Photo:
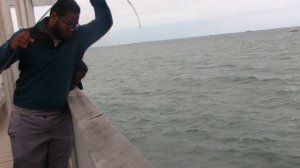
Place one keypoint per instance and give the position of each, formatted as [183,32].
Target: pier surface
[5,148]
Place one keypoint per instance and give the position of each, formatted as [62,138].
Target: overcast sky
[171,19]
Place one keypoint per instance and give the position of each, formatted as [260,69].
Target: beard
[57,31]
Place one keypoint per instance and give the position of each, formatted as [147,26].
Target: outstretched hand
[21,40]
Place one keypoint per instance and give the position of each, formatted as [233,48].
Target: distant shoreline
[288,29]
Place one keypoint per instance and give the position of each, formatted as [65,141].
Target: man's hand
[21,40]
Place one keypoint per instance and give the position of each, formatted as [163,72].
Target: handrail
[99,144]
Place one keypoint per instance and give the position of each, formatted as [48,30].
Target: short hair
[62,7]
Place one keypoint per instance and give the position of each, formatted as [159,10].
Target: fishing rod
[136,14]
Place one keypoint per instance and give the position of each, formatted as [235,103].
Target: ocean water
[224,101]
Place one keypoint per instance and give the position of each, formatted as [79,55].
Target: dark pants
[39,139]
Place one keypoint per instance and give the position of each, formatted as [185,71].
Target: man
[40,128]
[80,72]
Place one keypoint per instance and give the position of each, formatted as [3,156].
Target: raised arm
[94,30]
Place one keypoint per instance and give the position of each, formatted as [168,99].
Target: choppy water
[225,101]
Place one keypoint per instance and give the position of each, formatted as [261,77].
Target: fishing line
[136,14]
[43,15]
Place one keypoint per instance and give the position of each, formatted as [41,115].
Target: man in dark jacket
[40,128]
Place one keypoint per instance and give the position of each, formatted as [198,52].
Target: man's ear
[54,17]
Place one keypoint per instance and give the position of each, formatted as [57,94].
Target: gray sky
[171,19]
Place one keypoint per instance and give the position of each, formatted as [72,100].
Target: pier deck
[5,148]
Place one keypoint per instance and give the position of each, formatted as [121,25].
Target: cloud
[170,15]
[239,18]
[157,12]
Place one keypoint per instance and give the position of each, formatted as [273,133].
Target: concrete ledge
[104,143]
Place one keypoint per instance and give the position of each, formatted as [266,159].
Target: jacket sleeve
[93,31]
[7,55]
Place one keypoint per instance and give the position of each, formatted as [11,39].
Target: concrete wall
[98,143]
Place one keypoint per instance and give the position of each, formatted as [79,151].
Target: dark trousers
[39,139]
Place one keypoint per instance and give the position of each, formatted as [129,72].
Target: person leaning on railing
[80,72]
[40,128]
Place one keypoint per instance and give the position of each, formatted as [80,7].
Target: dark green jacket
[46,71]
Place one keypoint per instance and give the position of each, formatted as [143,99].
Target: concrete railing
[98,144]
